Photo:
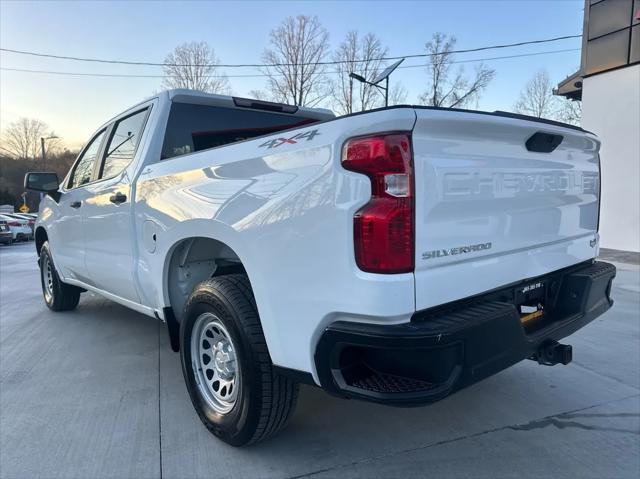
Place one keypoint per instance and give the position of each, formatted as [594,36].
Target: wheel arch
[192,260]
[188,262]
[40,237]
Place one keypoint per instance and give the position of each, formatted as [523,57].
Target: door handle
[118,198]
[75,204]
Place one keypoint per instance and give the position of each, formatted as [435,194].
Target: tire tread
[65,296]
[279,393]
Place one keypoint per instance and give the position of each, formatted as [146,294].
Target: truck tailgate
[491,210]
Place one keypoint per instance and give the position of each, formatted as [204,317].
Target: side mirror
[46,182]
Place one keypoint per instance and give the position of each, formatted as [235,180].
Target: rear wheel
[226,365]
[57,295]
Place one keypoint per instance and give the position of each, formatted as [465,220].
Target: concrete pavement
[97,392]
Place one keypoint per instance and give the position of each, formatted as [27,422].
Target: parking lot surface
[97,392]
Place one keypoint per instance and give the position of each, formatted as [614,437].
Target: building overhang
[570,87]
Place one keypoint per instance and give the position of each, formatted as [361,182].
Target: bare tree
[570,111]
[259,95]
[21,139]
[397,94]
[536,98]
[342,88]
[194,65]
[361,55]
[297,45]
[446,88]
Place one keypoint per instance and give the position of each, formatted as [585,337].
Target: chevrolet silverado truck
[396,255]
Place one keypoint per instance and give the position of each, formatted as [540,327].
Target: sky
[74,106]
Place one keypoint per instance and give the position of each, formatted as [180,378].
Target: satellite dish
[387,71]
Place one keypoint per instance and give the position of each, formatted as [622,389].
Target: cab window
[123,143]
[198,127]
[83,171]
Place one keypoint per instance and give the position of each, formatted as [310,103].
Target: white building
[608,83]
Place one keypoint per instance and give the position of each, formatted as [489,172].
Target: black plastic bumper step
[389,383]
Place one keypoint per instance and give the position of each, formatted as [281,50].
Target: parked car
[21,216]
[6,237]
[25,215]
[393,256]
[19,227]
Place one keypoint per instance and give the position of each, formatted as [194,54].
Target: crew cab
[395,256]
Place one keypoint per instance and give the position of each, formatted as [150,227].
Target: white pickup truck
[395,256]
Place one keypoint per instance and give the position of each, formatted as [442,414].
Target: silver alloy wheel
[47,278]
[214,363]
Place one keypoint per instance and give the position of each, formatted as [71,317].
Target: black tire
[265,400]
[63,297]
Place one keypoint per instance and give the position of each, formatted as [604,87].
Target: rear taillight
[13,223]
[383,229]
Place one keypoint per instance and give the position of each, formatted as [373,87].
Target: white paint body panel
[287,213]
[476,183]
[66,234]
[108,231]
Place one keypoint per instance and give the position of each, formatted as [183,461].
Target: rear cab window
[123,143]
[196,127]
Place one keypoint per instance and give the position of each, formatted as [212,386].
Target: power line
[262,65]
[262,75]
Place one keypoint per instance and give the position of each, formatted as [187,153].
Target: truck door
[108,219]
[67,238]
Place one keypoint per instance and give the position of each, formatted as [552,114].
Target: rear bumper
[447,348]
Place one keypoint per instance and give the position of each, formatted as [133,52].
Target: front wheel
[58,296]
[226,365]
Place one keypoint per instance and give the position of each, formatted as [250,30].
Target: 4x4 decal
[307,135]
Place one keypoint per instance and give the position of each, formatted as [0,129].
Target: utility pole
[386,92]
[44,157]
[44,160]
[42,145]
[350,94]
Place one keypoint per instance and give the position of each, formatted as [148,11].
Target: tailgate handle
[542,142]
